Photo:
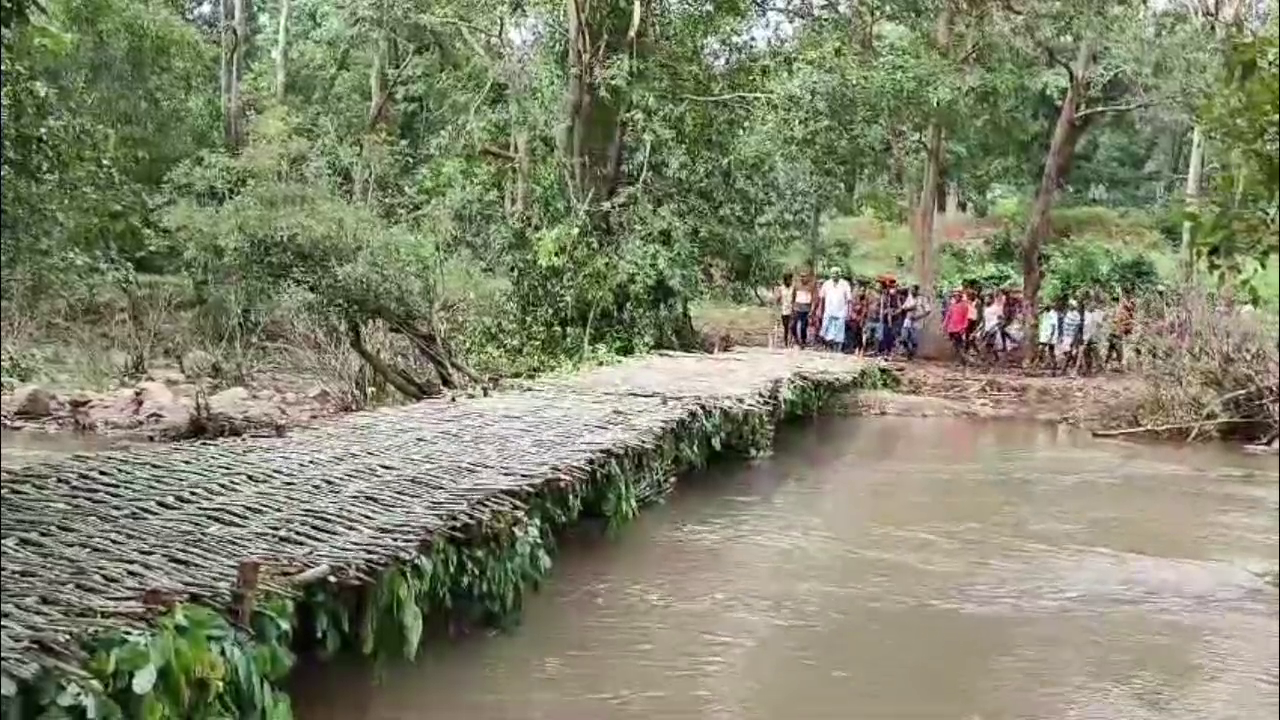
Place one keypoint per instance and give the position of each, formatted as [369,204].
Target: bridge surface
[85,539]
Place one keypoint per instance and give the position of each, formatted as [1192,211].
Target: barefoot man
[836,295]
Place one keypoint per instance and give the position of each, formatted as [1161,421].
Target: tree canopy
[510,184]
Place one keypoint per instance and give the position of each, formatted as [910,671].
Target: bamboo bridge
[102,543]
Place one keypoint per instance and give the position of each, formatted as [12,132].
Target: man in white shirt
[915,309]
[836,294]
[1094,327]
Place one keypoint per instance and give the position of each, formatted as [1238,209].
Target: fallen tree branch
[397,378]
[498,153]
[309,576]
[1164,428]
[729,96]
[1105,109]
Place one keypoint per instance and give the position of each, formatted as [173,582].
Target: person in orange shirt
[956,324]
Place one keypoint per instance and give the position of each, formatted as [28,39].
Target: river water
[890,568]
[20,447]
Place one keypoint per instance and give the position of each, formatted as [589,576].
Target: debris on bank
[168,408]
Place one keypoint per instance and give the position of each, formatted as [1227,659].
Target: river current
[889,568]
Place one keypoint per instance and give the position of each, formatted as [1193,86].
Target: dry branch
[1167,428]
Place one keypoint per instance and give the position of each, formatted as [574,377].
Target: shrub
[1208,371]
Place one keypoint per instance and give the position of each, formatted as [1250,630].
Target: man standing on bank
[836,294]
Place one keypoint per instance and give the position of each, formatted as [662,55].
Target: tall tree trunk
[227,30]
[235,99]
[1222,16]
[362,185]
[522,175]
[592,138]
[282,50]
[1066,134]
[378,82]
[1195,167]
[575,98]
[926,208]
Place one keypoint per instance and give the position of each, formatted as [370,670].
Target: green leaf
[69,697]
[8,688]
[132,656]
[152,708]
[144,679]
[89,702]
[411,623]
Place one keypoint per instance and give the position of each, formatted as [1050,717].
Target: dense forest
[458,190]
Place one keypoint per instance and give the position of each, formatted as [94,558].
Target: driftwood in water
[1166,428]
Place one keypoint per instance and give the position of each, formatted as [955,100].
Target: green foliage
[101,99]
[272,218]
[1237,228]
[712,156]
[1071,266]
[191,663]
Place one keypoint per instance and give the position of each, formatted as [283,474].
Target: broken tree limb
[498,153]
[1106,109]
[1166,428]
[729,96]
[307,577]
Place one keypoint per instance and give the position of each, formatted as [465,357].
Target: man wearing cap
[836,295]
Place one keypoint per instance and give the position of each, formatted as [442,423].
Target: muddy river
[891,568]
[18,447]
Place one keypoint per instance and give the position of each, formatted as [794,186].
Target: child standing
[800,309]
[784,298]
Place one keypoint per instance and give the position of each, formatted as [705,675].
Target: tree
[1237,223]
[1110,74]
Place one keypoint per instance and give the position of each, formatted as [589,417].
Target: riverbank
[939,389]
[449,516]
[168,405]
[1223,384]
[197,397]
[1191,374]
[169,408]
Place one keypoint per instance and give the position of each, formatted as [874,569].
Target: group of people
[876,316]
[1072,333]
[859,316]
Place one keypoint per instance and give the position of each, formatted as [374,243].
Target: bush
[1208,371]
[1071,267]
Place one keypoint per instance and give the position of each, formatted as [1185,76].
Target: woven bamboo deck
[85,539]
